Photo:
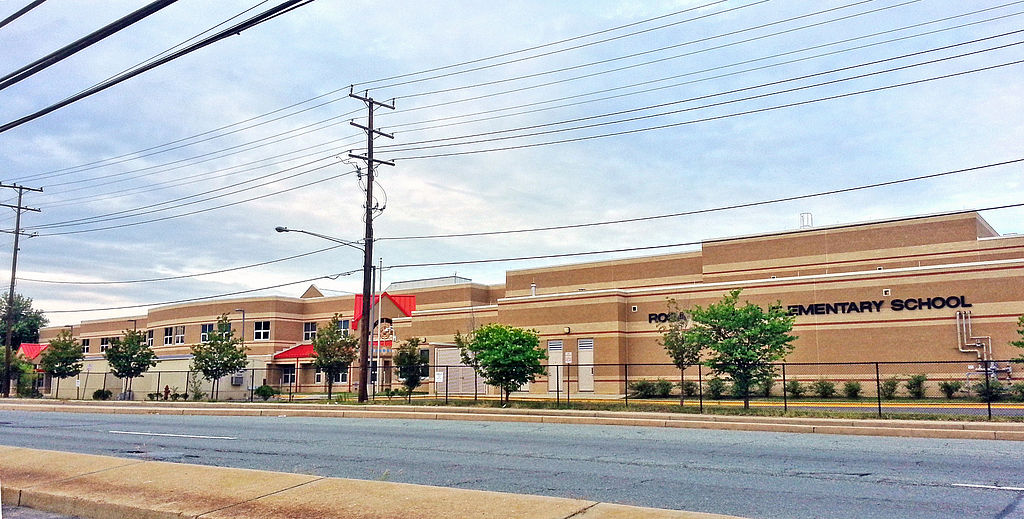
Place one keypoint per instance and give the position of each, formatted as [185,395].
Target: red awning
[405,304]
[301,351]
[31,350]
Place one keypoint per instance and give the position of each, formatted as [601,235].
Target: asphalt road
[750,474]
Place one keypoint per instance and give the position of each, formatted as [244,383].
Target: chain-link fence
[979,388]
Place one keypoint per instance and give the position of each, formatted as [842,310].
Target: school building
[943,287]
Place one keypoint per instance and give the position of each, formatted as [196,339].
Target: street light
[364,320]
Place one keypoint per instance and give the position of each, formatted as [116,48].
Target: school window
[85,345]
[425,363]
[261,332]
[343,325]
[104,342]
[287,374]
[308,331]
[168,336]
[179,335]
[149,338]
[205,331]
[339,378]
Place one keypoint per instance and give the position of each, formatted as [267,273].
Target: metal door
[585,364]
[555,373]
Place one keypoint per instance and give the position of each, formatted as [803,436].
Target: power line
[205,298]
[284,7]
[713,209]
[82,43]
[347,87]
[705,119]
[20,12]
[184,276]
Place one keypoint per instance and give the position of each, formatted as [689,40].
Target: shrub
[915,385]
[689,388]
[852,389]
[889,388]
[1018,391]
[795,389]
[950,387]
[823,388]
[265,392]
[102,394]
[716,388]
[994,391]
[651,388]
[764,386]
[153,396]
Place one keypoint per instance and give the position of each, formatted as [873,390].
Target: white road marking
[990,487]
[175,435]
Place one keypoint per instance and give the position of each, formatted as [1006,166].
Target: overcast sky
[701,87]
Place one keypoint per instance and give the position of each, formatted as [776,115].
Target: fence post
[988,388]
[568,383]
[558,384]
[446,385]
[158,390]
[878,389]
[785,397]
[291,384]
[700,386]
[252,384]
[475,391]
[626,374]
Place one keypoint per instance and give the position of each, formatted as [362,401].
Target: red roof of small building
[32,350]
[296,352]
[405,304]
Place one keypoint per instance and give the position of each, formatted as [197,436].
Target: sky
[507,116]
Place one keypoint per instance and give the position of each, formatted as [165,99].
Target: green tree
[62,358]
[1019,342]
[333,351]
[221,354]
[682,347]
[27,322]
[505,356]
[409,366]
[129,356]
[743,341]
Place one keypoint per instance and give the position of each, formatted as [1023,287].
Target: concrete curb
[103,487]
[869,427]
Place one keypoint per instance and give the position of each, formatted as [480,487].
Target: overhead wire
[20,12]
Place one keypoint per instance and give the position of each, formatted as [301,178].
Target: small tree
[409,366]
[505,356]
[62,358]
[130,356]
[743,341]
[1019,342]
[26,323]
[681,346]
[333,351]
[220,355]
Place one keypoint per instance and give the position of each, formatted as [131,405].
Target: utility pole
[371,163]
[14,270]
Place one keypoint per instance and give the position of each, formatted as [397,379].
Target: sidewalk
[103,487]
[907,428]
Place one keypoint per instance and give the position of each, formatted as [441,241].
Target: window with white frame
[104,342]
[343,327]
[339,378]
[205,331]
[261,331]
[287,374]
[168,336]
[149,338]
[179,335]
[85,345]
[308,331]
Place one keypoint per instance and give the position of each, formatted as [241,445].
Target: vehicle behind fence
[979,388]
